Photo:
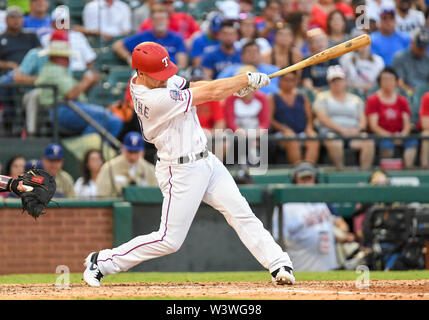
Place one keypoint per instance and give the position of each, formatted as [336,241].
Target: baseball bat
[328,54]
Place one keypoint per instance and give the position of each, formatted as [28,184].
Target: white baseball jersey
[168,119]
[308,232]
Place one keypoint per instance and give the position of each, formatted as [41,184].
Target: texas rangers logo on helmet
[165,60]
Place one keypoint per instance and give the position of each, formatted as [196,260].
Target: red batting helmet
[154,60]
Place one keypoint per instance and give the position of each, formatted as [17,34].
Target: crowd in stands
[381,89]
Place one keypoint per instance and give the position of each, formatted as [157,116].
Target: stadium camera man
[187,172]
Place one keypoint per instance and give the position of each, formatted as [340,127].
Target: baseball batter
[186,171]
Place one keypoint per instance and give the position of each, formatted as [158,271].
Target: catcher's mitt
[40,187]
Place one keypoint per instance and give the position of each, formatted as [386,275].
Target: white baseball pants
[183,187]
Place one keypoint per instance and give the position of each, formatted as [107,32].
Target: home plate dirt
[304,290]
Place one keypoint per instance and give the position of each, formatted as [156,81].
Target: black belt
[195,157]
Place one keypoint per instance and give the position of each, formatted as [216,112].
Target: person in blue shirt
[206,41]
[38,19]
[387,41]
[160,34]
[224,54]
[250,55]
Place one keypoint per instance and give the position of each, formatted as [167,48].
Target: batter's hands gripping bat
[328,54]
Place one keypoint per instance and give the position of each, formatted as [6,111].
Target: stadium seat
[416,101]
[119,74]
[106,59]
[76,9]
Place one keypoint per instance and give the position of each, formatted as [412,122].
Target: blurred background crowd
[364,109]
[64,73]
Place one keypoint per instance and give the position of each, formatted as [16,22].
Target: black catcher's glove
[40,187]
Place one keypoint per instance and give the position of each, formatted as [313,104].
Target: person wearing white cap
[84,54]
[342,114]
[362,67]
[55,72]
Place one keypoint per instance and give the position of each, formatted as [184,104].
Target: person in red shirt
[179,22]
[321,10]
[423,125]
[389,115]
[246,114]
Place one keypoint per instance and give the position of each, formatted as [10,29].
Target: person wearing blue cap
[129,168]
[52,162]
[387,41]
[208,40]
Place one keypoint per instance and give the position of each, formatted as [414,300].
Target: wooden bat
[328,54]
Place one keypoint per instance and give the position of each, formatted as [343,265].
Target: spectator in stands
[423,125]
[389,115]
[85,186]
[412,64]
[362,67]
[246,6]
[309,230]
[224,54]
[53,161]
[298,21]
[15,42]
[248,32]
[291,116]
[27,73]
[141,14]
[15,166]
[250,55]
[270,21]
[14,45]
[387,41]
[246,114]
[336,28]
[342,113]
[172,41]
[55,72]
[38,20]
[129,168]
[84,54]
[375,7]
[314,77]
[377,178]
[321,10]
[106,18]
[206,41]
[284,52]
[408,20]
[180,22]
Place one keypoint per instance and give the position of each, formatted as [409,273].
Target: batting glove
[244,92]
[258,80]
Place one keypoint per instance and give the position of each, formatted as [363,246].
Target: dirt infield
[302,290]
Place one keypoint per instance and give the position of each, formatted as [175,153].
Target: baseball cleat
[283,275]
[92,275]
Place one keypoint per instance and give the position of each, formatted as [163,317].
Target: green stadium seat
[416,101]
[106,59]
[76,10]
[101,95]
[119,74]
